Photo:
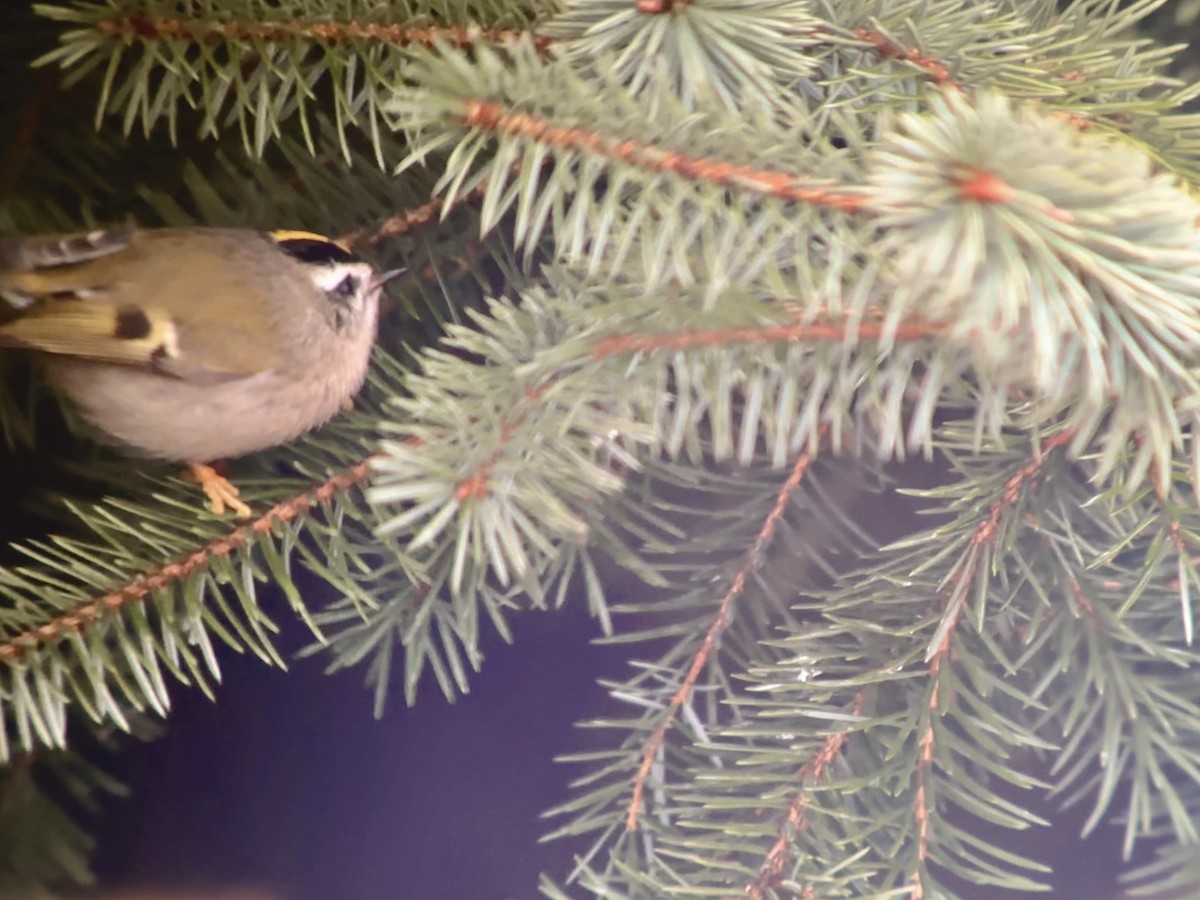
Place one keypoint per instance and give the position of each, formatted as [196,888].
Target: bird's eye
[343,285]
[346,288]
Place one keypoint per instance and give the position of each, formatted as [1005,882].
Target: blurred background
[287,787]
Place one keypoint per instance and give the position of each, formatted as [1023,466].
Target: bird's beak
[384,277]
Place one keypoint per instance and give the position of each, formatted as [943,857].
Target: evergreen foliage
[685,277]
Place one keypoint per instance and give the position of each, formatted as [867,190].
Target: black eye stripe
[308,250]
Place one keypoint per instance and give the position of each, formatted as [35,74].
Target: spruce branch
[423,216]
[887,48]
[1111,276]
[720,621]
[756,250]
[490,117]
[472,476]
[745,51]
[14,647]
[256,67]
[833,332]
[961,579]
[723,541]
[961,221]
[165,598]
[531,108]
[257,98]
[147,28]
[963,726]
[793,822]
[1136,705]
[1174,871]
[1179,539]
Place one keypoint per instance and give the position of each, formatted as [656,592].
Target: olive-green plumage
[193,343]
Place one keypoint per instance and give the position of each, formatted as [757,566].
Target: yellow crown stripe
[285,235]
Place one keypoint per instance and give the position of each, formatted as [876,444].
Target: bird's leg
[221,493]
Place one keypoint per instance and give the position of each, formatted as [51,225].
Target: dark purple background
[287,783]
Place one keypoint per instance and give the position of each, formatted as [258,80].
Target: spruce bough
[683,266]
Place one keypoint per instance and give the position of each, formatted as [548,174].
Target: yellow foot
[221,493]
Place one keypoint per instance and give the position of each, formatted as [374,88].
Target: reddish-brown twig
[720,621]
[141,587]
[968,566]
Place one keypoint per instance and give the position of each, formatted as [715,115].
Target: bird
[194,344]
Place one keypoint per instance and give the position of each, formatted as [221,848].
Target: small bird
[194,344]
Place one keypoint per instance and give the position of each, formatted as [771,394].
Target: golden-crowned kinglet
[194,344]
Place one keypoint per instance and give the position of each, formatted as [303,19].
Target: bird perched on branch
[194,344]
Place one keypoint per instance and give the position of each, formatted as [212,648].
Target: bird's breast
[172,418]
